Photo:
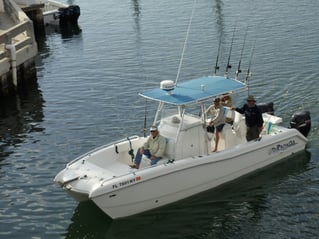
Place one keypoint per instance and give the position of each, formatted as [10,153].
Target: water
[88,80]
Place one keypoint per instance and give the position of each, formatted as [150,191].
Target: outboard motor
[69,14]
[301,121]
[267,108]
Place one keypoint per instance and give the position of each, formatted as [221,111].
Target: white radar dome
[167,85]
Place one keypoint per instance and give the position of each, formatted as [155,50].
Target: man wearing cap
[253,118]
[153,148]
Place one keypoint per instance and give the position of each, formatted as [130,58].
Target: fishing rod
[231,46]
[131,151]
[248,76]
[241,56]
[217,58]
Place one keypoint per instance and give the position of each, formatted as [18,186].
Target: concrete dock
[18,49]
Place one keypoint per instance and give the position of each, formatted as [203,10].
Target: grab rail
[101,147]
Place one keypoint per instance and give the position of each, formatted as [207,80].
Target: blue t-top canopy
[192,91]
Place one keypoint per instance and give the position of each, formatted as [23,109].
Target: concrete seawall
[18,49]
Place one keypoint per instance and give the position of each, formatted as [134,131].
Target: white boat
[54,12]
[57,13]
[189,166]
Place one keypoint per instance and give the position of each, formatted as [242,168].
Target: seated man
[153,148]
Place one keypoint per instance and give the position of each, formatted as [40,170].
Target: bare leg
[216,141]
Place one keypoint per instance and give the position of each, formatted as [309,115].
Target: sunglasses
[251,101]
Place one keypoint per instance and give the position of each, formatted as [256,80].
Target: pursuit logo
[281,147]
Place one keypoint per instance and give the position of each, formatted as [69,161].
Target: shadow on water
[206,215]
[88,221]
[219,17]
[67,31]
[136,14]
[19,116]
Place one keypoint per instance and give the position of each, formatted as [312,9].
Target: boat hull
[56,13]
[158,186]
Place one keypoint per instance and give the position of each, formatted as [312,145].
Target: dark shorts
[210,128]
[219,128]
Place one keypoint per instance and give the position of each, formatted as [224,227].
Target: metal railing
[20,34]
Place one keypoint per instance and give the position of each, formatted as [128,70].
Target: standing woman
[216,110]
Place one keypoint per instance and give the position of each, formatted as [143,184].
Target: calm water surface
[88,80]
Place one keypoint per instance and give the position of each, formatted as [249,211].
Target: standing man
[253,118]
[153,148]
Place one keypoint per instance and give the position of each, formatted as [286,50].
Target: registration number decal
[126,182]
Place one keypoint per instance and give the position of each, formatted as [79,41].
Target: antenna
[231,46]
[145,118]
[185,42]
[217,58]
[241,56]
